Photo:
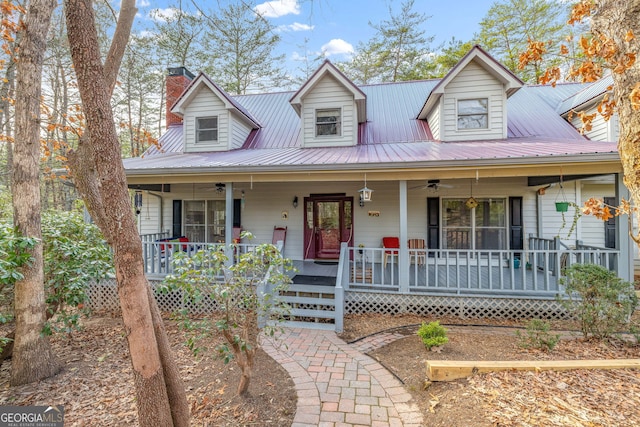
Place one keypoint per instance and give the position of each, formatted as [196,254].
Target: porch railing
[531,272]
[152,237]
[158,256]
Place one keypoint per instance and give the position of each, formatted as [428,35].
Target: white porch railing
[531,272]
[158,256]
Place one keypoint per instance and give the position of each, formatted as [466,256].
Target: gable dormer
[470,102]
[330,107]
[213,120]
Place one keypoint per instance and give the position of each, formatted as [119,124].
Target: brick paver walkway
[338,385]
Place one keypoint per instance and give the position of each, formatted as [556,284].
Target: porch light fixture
[295,202]
[137,202]
[365,193]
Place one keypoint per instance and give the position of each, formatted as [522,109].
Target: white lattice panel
[465,307]
[103,296]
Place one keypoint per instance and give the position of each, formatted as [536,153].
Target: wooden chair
[418,255]
[279,237]
[390,243]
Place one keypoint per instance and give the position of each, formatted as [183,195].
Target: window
[473,113]
[484,227]
[206,129]
[204,220]
[328,122]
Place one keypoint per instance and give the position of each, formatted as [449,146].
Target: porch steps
[312,306]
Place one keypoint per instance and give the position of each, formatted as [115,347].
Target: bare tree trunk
[99,175]
[33,359]
[613,19]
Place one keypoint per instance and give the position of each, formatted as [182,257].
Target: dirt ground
[96,386]
[570,398]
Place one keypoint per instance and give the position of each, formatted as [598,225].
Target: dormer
[587,101]
[330,107]
[213,120]
[470,102]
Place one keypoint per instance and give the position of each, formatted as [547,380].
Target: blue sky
[336,26]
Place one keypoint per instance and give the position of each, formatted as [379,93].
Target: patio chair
[279,237]
[418,255]
[390,243]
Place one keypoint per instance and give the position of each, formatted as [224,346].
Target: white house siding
[239,132]
[551,223]
[599,127]
[148,220]
[474,82]
[329,93]
[591,227]
[206,104]
[434,121]
[614,128]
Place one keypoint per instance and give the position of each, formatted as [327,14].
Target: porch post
[623,242]
[228,222]
[403,253]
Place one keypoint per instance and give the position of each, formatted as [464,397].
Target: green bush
[600,301]
[433,335]
[537,335]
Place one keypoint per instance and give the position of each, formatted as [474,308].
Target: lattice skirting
[103,296]
[460,306]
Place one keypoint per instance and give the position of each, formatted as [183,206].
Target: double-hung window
[473,113]
[328,122]
[481,228]
[204,220]
[207,129]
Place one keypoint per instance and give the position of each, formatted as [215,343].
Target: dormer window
[207,129]
[473,113]
[328,122]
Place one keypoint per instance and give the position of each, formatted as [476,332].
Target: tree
[510,24]
[449,56]
[99,175]
[33,359]
[402,43]
[612,44]
[241,44]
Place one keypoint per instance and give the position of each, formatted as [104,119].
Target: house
[471,165]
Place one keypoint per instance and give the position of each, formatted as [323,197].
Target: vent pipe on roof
[178,78]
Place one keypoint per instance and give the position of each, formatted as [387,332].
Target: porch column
[403,253]
[624,243]
[228,222]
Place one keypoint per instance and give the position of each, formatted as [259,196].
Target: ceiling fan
[431,184]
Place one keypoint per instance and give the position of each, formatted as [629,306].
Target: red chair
[390,243]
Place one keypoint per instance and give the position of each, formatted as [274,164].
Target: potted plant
[562,206]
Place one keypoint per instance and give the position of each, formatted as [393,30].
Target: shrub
[537,335]
[600,301]
[242,295]
[433,335]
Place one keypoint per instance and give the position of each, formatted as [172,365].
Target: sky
[336,26]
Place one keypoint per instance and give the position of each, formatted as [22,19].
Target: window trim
[473,227]
[208,221]
[199,129]
[338,122]
[458,114]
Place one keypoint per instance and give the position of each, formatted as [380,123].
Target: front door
[328,223]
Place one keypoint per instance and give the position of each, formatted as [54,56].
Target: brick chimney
[178,78]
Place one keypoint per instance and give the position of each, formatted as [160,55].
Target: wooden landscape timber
[449,370]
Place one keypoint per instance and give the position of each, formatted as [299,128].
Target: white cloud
[296,26]
[164,15]
[278,8]
[143,3]
[337,47]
